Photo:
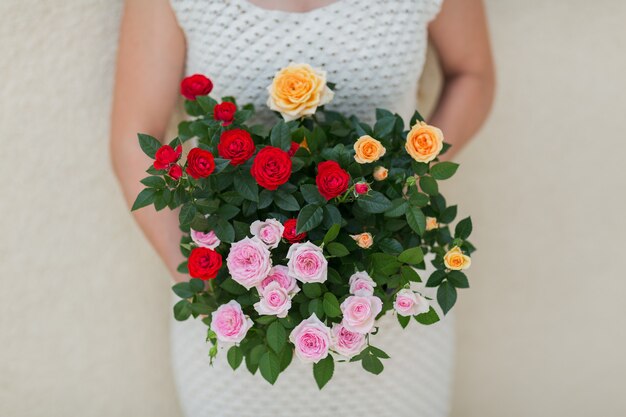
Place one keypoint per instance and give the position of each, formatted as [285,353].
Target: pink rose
[275,301]
[205,240]
[249,262]
[361,284]
[229,323]
[307,262]
[361,188]
[312,339]
[280,274]
[360,311]
[409,303]
[270,232]
[347,343]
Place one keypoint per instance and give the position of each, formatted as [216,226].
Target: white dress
[373,50]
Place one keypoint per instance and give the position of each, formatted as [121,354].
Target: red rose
[204,263]
[271,167]
[331,179]
[293,148]
[236,145]
[290,232]
[200,163]
[361,188]
[195,85]
[166,156]
[225,112]
[175,171]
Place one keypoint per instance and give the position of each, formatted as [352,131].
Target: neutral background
[84,304]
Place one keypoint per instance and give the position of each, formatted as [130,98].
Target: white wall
[85,304]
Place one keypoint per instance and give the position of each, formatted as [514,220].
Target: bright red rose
[361,188]
[236,145]
[166,156]
[200,163]
[225,112]
[271,167]
[293,149]
[290,232]
[195,85]
[175,171]
[204,263]
[331,179]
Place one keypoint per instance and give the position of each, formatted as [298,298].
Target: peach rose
[424,142]
[431,223]
[364,240]
[298,90]
[367,150]
[380,173]
[456,260]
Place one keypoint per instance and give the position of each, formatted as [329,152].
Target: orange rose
[367,150]
[455,259]
[298,90]
[431,223]
[424,142]
[380,173]
[363,240]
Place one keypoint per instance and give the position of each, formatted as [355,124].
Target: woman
[374,52]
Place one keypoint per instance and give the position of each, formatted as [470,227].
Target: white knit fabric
[374,51]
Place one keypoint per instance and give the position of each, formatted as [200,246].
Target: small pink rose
[205,240]
[275,301]
[249,262]
[361,284]
[361,188]
[270,231]
[229,323]
[307,262]
[409,303]
[345,342]
[312,340]
[280,274]
[360,311]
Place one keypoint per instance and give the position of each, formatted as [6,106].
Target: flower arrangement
[300,236]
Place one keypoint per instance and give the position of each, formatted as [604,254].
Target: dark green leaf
[269,365]
[182,310]
[331,305]
[463,228]
[225,231]
[247,187]
[286,201]
[410,274]
[391,246]
[312,289]
[233,287]
[310,217]
[149,145]
[196,285]
[183,290]
[446,296]
[187,213]
[311,194]
[430,317]
[235,357]
[416,220]
[153,181]
[384,126]
[337,249]
[443,170]
[280,136]
[448,215]
[429,185]
[436,278]
[323,371]
[412,256]
[374,202]
[372,364]
[403,320]
[332,233]
[145,198]
[458,279]
[398,208]
[378,352]
[276,336]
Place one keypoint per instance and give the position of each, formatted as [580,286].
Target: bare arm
[460,35]
[149,67]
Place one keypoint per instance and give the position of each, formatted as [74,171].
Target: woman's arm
[150,64]
[461,38]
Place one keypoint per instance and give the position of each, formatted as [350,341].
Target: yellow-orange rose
[431,223]
[363,240]
[380,173]
[456,260]
[424,142]
[368,150]
[298,90]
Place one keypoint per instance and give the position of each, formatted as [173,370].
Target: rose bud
[361,188]
[225,112]
[195,85]
[380,173]
[175,171]
[166,156]
[363,240]
[293,148]
[431,223]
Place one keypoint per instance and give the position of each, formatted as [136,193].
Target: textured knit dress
[373,50]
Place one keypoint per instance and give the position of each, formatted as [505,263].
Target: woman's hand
[150,65]
[460,36]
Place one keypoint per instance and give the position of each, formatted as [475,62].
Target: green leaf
[384,126]
[149,145]
[225,231]
[443,170]
[403,320]
[412,256]
[331,305]
[390,246]
[265,198]
[463,228]
[247,187]
[312,289]
[182,310]
[280,136]
[448,215]
[372,364]
[337,249]
[429,185]
[221,164]
[286,201]
[276,336]
[398,208]
[430,317]
[332,216]
[145,198]
[154,182]
[227,211]
[417,117]
[206,103]
[458,279]
[323,371]
[183,290]
[436,278]
[332,233]
[285,357]
[410,274]
[446,296]
[374,202]
[384,263]
[416,220]
[233,287]
[196,285]
[187,213]
[269,365]
[378,352]
[310,217]
[235,357]
[311,194]
[316,306]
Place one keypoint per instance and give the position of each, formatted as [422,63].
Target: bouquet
[299,236]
